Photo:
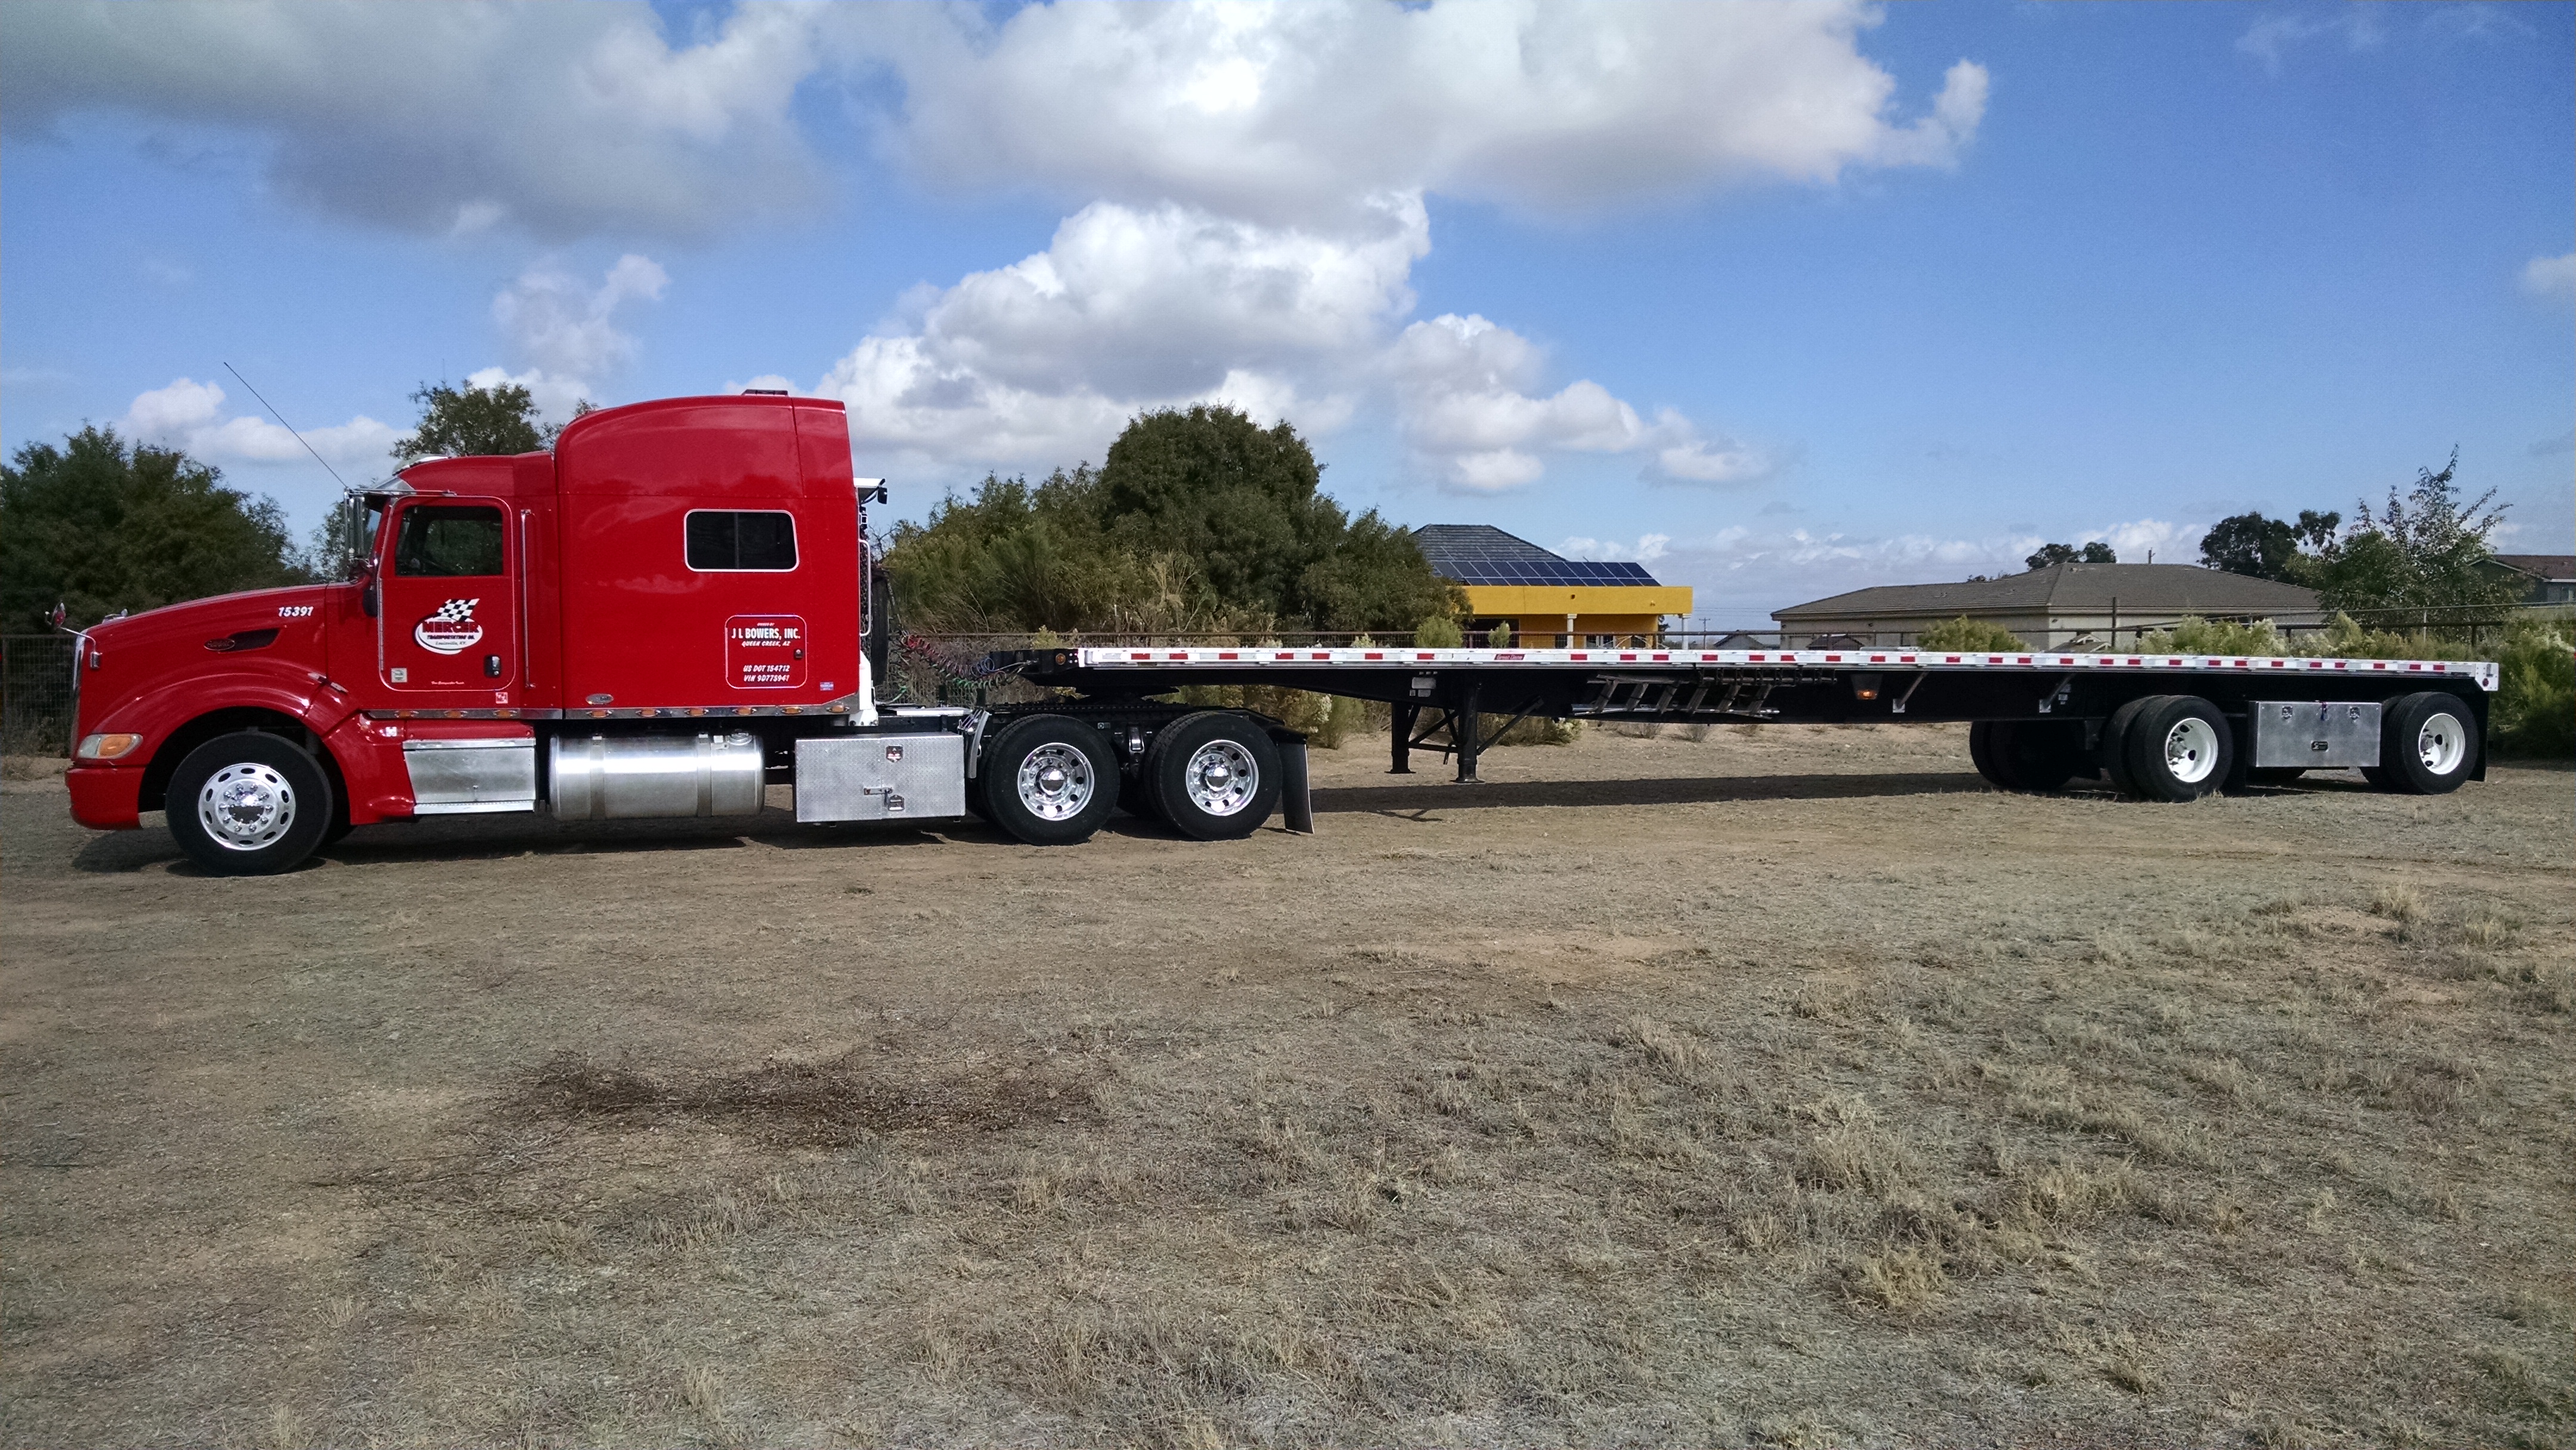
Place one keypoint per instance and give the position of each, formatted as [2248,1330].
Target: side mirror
[367,597]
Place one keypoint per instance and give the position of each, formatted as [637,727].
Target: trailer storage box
[2314,734]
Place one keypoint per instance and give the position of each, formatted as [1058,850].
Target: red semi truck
[675,608]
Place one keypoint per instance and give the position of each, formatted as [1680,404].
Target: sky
[1781,300]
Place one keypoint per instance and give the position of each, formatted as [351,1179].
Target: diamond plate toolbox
[881,777]
[2314,734]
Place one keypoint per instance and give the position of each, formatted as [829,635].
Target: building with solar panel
[1550,602]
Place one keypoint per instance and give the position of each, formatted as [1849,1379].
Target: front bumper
[104,796]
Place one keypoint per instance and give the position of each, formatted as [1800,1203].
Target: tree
[97,526]
[2415,560]
[461,422]
[2269,548]
[2051,555]
[1198,520]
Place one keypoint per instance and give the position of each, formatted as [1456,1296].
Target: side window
[441,541]
[741,539]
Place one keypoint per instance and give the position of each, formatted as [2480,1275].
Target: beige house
[2066,606]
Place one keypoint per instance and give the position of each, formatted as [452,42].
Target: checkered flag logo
[449,629]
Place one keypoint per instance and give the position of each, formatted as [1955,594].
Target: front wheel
[1213,775]
[1049,781]
[249,805]
[2428,744]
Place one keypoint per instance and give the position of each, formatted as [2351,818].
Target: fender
[163,713]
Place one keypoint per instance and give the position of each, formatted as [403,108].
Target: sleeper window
[741,539]
[441,541]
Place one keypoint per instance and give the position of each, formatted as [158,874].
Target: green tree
[98,526]
[463,422]
[2269,548]
[2415,560]
[2051,555]
[1198,520]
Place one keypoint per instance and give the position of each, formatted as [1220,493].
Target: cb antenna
[289,427]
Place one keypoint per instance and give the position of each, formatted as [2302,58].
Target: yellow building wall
[1538,612]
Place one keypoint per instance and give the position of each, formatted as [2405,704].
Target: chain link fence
[36,694]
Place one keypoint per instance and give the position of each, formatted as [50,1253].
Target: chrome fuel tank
[630,777]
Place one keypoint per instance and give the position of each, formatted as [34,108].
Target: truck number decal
[295,611]
[765,651]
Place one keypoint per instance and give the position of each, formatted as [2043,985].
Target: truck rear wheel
[2179,748]
[249,805]
[2428,744]
[1048,780]
[1214,775]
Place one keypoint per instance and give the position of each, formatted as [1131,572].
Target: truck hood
[199,620]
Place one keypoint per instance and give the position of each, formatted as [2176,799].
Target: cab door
[447,630]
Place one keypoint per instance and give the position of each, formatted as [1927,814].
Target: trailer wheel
[1049,781]
[2180,748]
[2428,744]
[2113,749]
[1213,775]
[249,805]
[2042,755]
[1989,762]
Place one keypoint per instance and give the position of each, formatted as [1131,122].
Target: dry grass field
[1781,1087]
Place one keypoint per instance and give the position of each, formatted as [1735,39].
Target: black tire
[2040,755]
[249,805]
[2179,748]
[2112,751]
[2428,744]
[1981,749]
[1214,775]
[1071,782]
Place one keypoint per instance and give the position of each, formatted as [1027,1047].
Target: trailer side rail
[2482,673]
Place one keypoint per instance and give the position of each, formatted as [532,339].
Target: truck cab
[683,560]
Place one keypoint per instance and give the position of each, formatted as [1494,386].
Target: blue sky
[1785,300]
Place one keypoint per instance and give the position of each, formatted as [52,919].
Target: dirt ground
[1777,1087]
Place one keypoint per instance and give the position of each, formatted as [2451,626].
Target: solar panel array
[1482,554]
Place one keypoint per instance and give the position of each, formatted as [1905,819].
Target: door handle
[492,667]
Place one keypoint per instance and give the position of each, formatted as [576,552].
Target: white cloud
[2142,541]
[570,330]
[1647,549]
[1277,111]
[564,119]
[2270,39]
[189,416]
[2552,277]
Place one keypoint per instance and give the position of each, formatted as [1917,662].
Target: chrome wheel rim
[2442,743]
[246,807]
[1055,782]
[2191,751]
[1221,777]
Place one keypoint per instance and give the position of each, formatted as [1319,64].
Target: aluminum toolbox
[2314,734]
[881,777]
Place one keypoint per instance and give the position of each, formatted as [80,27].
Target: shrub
[2534,711]
[1438,631]
[2197,636]
[1967,634]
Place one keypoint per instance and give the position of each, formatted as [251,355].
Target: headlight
[107,747]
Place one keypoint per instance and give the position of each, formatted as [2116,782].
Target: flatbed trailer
[2055,697]
[675,608]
